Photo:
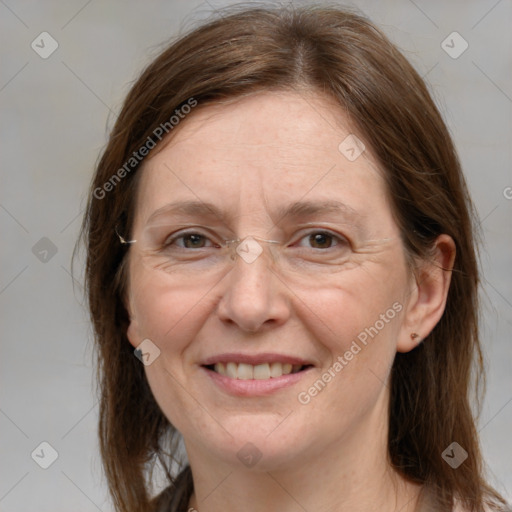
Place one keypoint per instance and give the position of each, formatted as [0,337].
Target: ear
[427,298]
[132,333]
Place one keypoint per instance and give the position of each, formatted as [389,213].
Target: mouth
[262,371]
[246,375]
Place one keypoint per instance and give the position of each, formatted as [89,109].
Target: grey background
[54,115]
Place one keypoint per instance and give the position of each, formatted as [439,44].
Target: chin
[261,443]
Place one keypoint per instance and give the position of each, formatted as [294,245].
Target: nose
[253,295]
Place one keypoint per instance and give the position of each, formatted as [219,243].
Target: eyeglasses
[199,251]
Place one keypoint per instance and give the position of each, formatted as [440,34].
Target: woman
[280,231]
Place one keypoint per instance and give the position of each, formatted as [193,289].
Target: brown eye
[188,241]
[193,241]
[320,240]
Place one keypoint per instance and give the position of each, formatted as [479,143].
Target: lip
[254,387]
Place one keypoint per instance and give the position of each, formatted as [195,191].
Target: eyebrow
[310,208]
[295,210]
[189,208]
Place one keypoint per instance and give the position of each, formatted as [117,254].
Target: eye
[323,240]
[190,240]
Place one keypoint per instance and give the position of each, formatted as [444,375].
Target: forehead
[269,147]
[282,122]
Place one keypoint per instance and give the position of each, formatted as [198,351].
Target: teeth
[230,370]
[220,368]
[262,371]
[245,371]
[276,370]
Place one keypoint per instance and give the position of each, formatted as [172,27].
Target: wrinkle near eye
[375,246]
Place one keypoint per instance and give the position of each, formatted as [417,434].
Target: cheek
[169,317]
[356,327]
[161,312]
[356,324]
[355,304]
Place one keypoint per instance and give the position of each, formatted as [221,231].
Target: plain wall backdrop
[54,113]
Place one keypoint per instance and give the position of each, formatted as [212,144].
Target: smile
[255,375]
[244,371]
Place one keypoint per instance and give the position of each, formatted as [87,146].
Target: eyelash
[340,240]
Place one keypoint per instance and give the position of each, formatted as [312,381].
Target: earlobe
[427,299]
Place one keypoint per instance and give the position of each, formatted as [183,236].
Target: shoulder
[459,507]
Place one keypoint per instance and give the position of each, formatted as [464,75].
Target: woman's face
[328,303]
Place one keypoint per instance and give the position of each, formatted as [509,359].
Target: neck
[351,475]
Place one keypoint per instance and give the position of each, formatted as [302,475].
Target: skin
[249,157]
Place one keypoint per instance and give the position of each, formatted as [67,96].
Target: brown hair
[337,53]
